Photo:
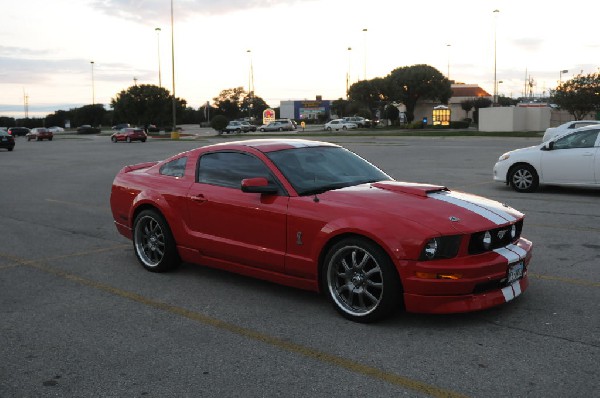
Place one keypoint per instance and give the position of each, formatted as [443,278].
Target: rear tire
[114,139]
[128,140]
[153,242]
[360,280]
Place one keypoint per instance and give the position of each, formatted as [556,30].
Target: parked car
[316,216]
[339,124]
[569,160]
[16,131]
[40,134]
[247,126]
[234,126]
[359,121]
[56,129]
[129,134]
[87,129]
[290,121]
[277,125]
[151,128]
[7,140]
[553,132]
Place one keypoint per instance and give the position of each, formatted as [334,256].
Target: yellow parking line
[358,368]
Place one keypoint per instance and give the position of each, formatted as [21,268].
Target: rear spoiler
[138,166]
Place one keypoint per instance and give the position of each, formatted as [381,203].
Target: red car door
[231,225]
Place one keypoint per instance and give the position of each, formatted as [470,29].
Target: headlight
[487,240]
[431,249]
[513,231]
[504,157]
[441,247]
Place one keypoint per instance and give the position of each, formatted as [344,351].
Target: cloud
[159,10]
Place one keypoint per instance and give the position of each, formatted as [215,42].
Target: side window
[174,168]
[228,169]
[583,139]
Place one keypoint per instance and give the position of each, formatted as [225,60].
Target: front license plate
[515,272]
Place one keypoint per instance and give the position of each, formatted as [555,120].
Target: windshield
[315,170]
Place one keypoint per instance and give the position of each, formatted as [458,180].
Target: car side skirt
[193,256]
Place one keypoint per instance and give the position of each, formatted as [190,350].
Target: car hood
[433,206]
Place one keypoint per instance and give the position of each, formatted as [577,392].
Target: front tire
[523,178]
[114,139]
[153,242]
[361,281]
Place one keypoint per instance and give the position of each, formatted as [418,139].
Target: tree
[145,104]
[467,105]
[370,93]
[478,103]
[409,84]
[392,113]
[253,105]
[579,95]
[219,123]
[229,102]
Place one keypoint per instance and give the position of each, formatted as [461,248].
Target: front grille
[500,237]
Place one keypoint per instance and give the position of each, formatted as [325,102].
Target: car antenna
[315,198]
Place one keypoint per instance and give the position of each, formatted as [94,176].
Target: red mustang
[316,216]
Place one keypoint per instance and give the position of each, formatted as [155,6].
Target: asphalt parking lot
[79,317]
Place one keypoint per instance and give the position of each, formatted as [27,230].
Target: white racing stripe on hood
[495,215]
[520,252]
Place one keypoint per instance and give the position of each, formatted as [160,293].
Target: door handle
[198,198]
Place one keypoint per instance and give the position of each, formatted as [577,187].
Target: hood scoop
[409,188]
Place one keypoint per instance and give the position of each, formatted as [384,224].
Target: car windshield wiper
[325,188]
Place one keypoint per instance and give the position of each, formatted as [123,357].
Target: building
[305,109]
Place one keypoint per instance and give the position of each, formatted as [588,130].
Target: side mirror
[548,146]
[258,185]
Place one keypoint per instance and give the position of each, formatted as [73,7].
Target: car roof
[271,144]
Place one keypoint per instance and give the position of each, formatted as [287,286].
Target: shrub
[459,124]
[219,123]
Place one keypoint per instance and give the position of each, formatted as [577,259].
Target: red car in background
[39,134]
[316,216]
[129,134]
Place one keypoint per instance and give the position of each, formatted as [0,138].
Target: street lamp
[495,80]
[93,85]
[250,84]
[173,71]
[560,76]
[158,43]
[448,46]
[365,67]
[348,74]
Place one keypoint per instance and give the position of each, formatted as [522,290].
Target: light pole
[250,84]
[93,85]
[448,47]
[495,79]
[560,76]
[158,43]
[174,130]
[365,66]
[349,71]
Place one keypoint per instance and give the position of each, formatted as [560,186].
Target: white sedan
[572,159]
[339,124]
[553,132]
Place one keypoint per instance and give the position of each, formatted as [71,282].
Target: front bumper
[482,283]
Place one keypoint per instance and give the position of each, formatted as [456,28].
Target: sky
[290,49]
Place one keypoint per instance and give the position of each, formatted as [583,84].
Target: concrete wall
[514,119]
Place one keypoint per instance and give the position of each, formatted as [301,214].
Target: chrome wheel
[361,280]
[149,241]
[153,242]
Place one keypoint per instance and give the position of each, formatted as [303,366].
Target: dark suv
[15,131]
